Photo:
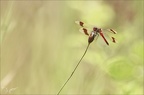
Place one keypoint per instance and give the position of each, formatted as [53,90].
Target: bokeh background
[41,45]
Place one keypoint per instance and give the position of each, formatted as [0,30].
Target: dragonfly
[94,33]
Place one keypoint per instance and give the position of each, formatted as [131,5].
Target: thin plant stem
[73,70]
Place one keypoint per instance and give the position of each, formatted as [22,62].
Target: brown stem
[73,70]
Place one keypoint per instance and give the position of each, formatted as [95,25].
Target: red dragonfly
[95,32]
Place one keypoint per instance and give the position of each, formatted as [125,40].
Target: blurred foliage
[41,45]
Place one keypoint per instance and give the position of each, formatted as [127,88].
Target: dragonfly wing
[112,31]
[113,40]
[109,35]
[84,30]
[80,23]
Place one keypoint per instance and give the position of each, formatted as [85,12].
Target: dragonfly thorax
[92,36]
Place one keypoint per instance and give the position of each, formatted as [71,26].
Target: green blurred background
[41,45]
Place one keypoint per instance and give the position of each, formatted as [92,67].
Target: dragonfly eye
[95,29]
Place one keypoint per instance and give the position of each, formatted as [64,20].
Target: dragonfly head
[95,28]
